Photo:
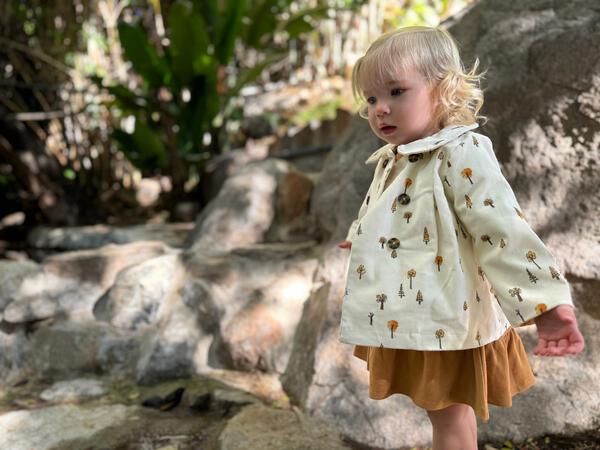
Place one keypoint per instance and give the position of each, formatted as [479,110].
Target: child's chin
[393,140]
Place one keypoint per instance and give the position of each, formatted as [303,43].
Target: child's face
[405,107]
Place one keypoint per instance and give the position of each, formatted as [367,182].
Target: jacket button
[393,243]
[414,157]
[404,199]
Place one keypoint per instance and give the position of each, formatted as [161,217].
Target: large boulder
[44,238]
[67,285]
[264,201]
[67,348]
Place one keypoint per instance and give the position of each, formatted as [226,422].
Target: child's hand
[558,333]
[345,244]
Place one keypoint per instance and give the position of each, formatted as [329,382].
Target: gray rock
[94,236]
[166,356]
[344,181]
[256,127]
[567,387]
[135,299]
[47,295]
[47,428]
[234,311]
[118,354]
[264,200]
[105,427]
[73,390]
[224,398]
[69,284]
[542,99]
[12,274]
[13,344]
[220,167]
[252,300]
[101,266]
[67,348]
[244,202]
[261,427]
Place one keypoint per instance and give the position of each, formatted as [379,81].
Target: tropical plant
[189,78]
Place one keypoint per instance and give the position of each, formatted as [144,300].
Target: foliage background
[98,96]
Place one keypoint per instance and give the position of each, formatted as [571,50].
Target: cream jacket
[443,259]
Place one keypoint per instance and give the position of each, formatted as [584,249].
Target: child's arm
[522,271]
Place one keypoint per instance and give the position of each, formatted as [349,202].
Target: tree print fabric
[443,258]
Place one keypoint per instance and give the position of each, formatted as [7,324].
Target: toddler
[443,265]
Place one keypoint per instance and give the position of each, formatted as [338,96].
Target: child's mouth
[388,129]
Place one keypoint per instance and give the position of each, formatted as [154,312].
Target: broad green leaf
[143,147]
[202,109]
[126,99]
[126,144]
[262,20]
[297,24]
[189,41]
[143,56]
[149,145]
[228,29]
[209,10]
[251,74]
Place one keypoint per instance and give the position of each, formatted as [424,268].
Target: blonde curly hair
[433,52]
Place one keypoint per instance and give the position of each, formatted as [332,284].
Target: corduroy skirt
[490,374]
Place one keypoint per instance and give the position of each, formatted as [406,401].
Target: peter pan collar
[431,142]
[388,152]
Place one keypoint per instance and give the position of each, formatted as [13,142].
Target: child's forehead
[378,74]
[397,80]
[383,84]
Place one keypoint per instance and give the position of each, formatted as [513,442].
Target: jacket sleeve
[523,273]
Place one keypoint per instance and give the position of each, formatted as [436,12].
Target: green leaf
[209,11]
[126,143]
[126,99]
[297,27]
[251,74]
[262,20]
[201,110]
[143,56]
[189,42]
[228,30]
[143,148]
[298,24]
[149,145]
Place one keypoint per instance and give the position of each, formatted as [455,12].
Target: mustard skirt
[491,374]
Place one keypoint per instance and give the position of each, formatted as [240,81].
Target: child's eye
[394,92]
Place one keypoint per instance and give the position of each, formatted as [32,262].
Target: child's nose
[382,108]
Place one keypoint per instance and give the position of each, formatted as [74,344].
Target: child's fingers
[540,348]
